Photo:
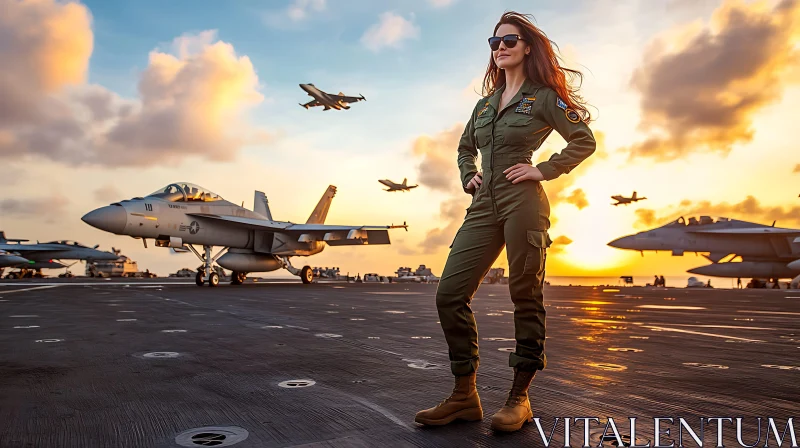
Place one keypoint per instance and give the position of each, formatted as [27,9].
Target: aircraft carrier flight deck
[167,364]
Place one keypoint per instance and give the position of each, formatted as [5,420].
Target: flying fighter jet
[397,187]
[766,251]
[623,200]
[328,100]
[182,214]
[49,255]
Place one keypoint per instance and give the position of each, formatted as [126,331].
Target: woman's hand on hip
[522,172]
[475,182]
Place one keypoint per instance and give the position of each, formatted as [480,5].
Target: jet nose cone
[794,265]
[111,218]
[11,260]
[626,242]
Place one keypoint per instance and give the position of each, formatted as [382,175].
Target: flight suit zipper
[491,168]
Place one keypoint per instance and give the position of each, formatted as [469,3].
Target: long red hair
[542,65]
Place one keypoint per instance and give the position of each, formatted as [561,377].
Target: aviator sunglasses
[509,39]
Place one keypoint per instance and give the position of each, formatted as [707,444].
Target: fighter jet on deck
[623,200]
[182,214]
[50,255]
[765,251]
[328,100]
[397,187]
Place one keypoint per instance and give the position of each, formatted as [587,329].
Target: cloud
[558,245]
[441,3]
[451,213]
[50,209]
[556,188]
[700,91]
[191,103]
[578,199]
[390,31]
[796,168]
[107,193]
[299,9]
[749,209]
[438,169]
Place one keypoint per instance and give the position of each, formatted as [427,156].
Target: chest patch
[525,105]
[483,111]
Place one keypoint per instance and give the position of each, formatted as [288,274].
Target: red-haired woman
[526,97]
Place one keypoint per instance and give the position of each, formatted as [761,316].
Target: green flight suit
[506,214]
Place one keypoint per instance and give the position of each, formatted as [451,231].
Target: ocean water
[671,281]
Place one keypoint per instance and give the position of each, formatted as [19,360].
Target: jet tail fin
[261,205]
[404,181]
[321,210]
[3,239]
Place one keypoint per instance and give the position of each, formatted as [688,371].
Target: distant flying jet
[328,100]
[397,187]
[623,200]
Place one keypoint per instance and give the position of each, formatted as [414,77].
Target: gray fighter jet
[328,100]
[182,214]
[625,201]
[49,255]
[765,251]
[397,187]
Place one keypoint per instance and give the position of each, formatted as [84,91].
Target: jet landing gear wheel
[237,278]
[199,279]
[307,275]
[213,279]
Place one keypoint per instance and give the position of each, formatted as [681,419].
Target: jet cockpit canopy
[185,192]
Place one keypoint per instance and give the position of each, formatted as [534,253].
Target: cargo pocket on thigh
[538,241]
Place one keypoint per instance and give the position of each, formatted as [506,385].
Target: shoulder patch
[573,116]
[561,104]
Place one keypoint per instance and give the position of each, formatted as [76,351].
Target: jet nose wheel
[213,279]
[307,275]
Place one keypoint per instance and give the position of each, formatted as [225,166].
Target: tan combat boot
[517,409]
[463,404]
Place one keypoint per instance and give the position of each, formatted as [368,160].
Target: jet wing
[334,235]
[752,231]
[19,248]
[312,103]
[348,99]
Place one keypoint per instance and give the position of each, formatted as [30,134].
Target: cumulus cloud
[50,209]
[107,193]
[451,214]
[578,199]
[299,9]
[390,31]
[191,101]
[749,209]
[558,245]
[437,169]
[701,90]
[556,189]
